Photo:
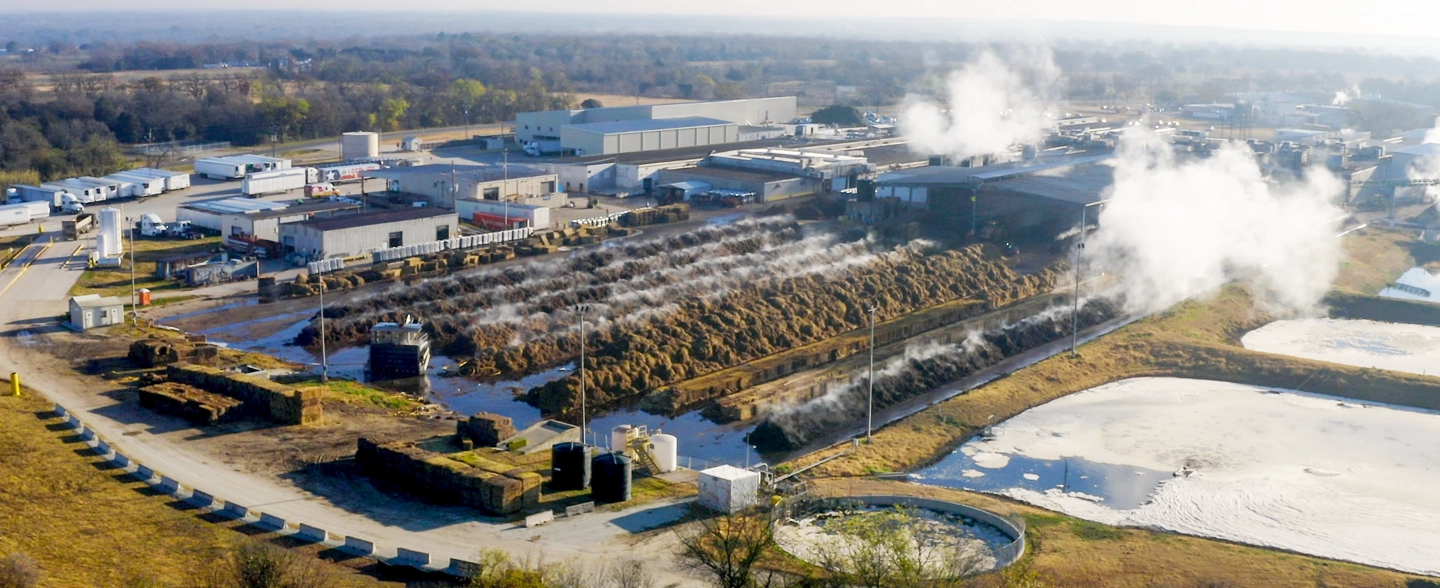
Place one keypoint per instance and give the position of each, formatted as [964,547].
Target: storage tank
[667,451]
[612,477]
[359,145]
[108,243]
[570,466]
[620,438]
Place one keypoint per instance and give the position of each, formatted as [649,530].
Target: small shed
[412,144]
[91,311]
[729,489]
[683,190]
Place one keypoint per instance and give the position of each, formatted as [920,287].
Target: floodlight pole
[324,357]
[870,409]
[1075,311]
[582,309]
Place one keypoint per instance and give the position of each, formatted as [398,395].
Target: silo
[612,477]
[359,145]
[108,242]
[667,451]
[570,466]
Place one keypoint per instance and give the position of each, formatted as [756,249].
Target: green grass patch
[1089,531]
[115,281]
[352,392]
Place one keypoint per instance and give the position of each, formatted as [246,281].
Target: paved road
[34,295]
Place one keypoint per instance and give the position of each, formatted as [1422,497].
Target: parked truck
[538,148]
[72,229]
[275,182]
[320,190]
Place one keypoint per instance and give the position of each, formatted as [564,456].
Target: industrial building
[359,234]
[442,185]
[91,311]
[690,123]
[769,174]
[499,216]
[260,222]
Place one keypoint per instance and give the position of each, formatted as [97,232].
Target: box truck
[275,182]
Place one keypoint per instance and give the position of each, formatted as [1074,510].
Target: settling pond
[1387,346]
[1314,474]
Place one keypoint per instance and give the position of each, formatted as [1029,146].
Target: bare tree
[259,565]
[17,570]
[629,574]
[894,548]
[728,547]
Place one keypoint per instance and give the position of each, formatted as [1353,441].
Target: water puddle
[1119,487]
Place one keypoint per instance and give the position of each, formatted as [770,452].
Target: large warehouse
[441,185]
[549,126]
[363,233]
[632,136]
[260,222]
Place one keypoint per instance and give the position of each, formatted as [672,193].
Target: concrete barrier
[144,472]
[539,518]
[411,558]
[579,509]
[235,510]
[271,522]
[463,569]
[315,534]
[201,499]
[1006,554]
[86,434]
[73,422]
[168,485]
[102,448]
[119,461]
[60,411]
[358,546]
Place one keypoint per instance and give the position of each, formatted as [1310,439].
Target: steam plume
[992,104]
[1179,229]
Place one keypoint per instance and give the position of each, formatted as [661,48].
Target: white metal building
[90,311]
[729,489]
[630,136]
[548,125]
[358,234]
[214,214]
[442,185]
[498,216]
[258,223]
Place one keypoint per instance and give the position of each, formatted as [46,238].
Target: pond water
[1370,344]
[1314,474]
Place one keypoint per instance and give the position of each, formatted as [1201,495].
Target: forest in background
[96,97]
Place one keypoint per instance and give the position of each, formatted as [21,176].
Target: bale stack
[155,352]
[190,403]
[443,479]
[281,403]
[485,429]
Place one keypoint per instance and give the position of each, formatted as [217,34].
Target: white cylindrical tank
[359,145]
[667,451]
[107,242]
[620,438]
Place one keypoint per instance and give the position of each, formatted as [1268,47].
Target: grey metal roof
[634,126]
[366,219]
[471,173]
[1080,184]
[688,185]
[235,205]
[307,208]
[933,175]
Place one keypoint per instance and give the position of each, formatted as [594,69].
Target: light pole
[581,309]
[134,302]
[870,410]
[324,358]
[1079,248]
[505,186]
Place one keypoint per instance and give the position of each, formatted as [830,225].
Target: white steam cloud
[992,104]
[1180,229]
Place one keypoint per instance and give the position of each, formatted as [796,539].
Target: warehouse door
[397,239]
[442,232]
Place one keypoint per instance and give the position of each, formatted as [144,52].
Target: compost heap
[666,309]
[920,370]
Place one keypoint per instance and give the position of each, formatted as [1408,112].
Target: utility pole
[1075,311]
[324,357]
[134,302]
[582,309]
[505,187]
[870,410]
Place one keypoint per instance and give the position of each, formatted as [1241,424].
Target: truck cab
[152,226]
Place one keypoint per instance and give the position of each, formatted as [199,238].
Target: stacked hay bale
[485,429]
[190,403]
[490,486]
[281,403]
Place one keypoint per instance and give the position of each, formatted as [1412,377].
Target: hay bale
[486,429]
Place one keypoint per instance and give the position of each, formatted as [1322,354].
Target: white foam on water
[1314,474]
[991,460]
[1388,346]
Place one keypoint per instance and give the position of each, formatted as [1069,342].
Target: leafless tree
[728,547]
[259,565]
[17,570]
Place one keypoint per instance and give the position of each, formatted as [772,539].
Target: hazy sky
[1384,17]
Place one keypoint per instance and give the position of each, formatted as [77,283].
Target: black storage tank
[612,478]
[570,466]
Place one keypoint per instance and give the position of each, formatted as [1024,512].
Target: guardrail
[210,504]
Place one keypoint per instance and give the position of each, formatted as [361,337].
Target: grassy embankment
[87,524]
[115,281]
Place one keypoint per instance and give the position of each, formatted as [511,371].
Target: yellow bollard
[15,383]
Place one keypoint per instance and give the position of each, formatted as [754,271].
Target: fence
[178,147]
[452,244]
[210,504]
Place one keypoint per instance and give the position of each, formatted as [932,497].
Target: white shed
[91,311]
[729,489]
